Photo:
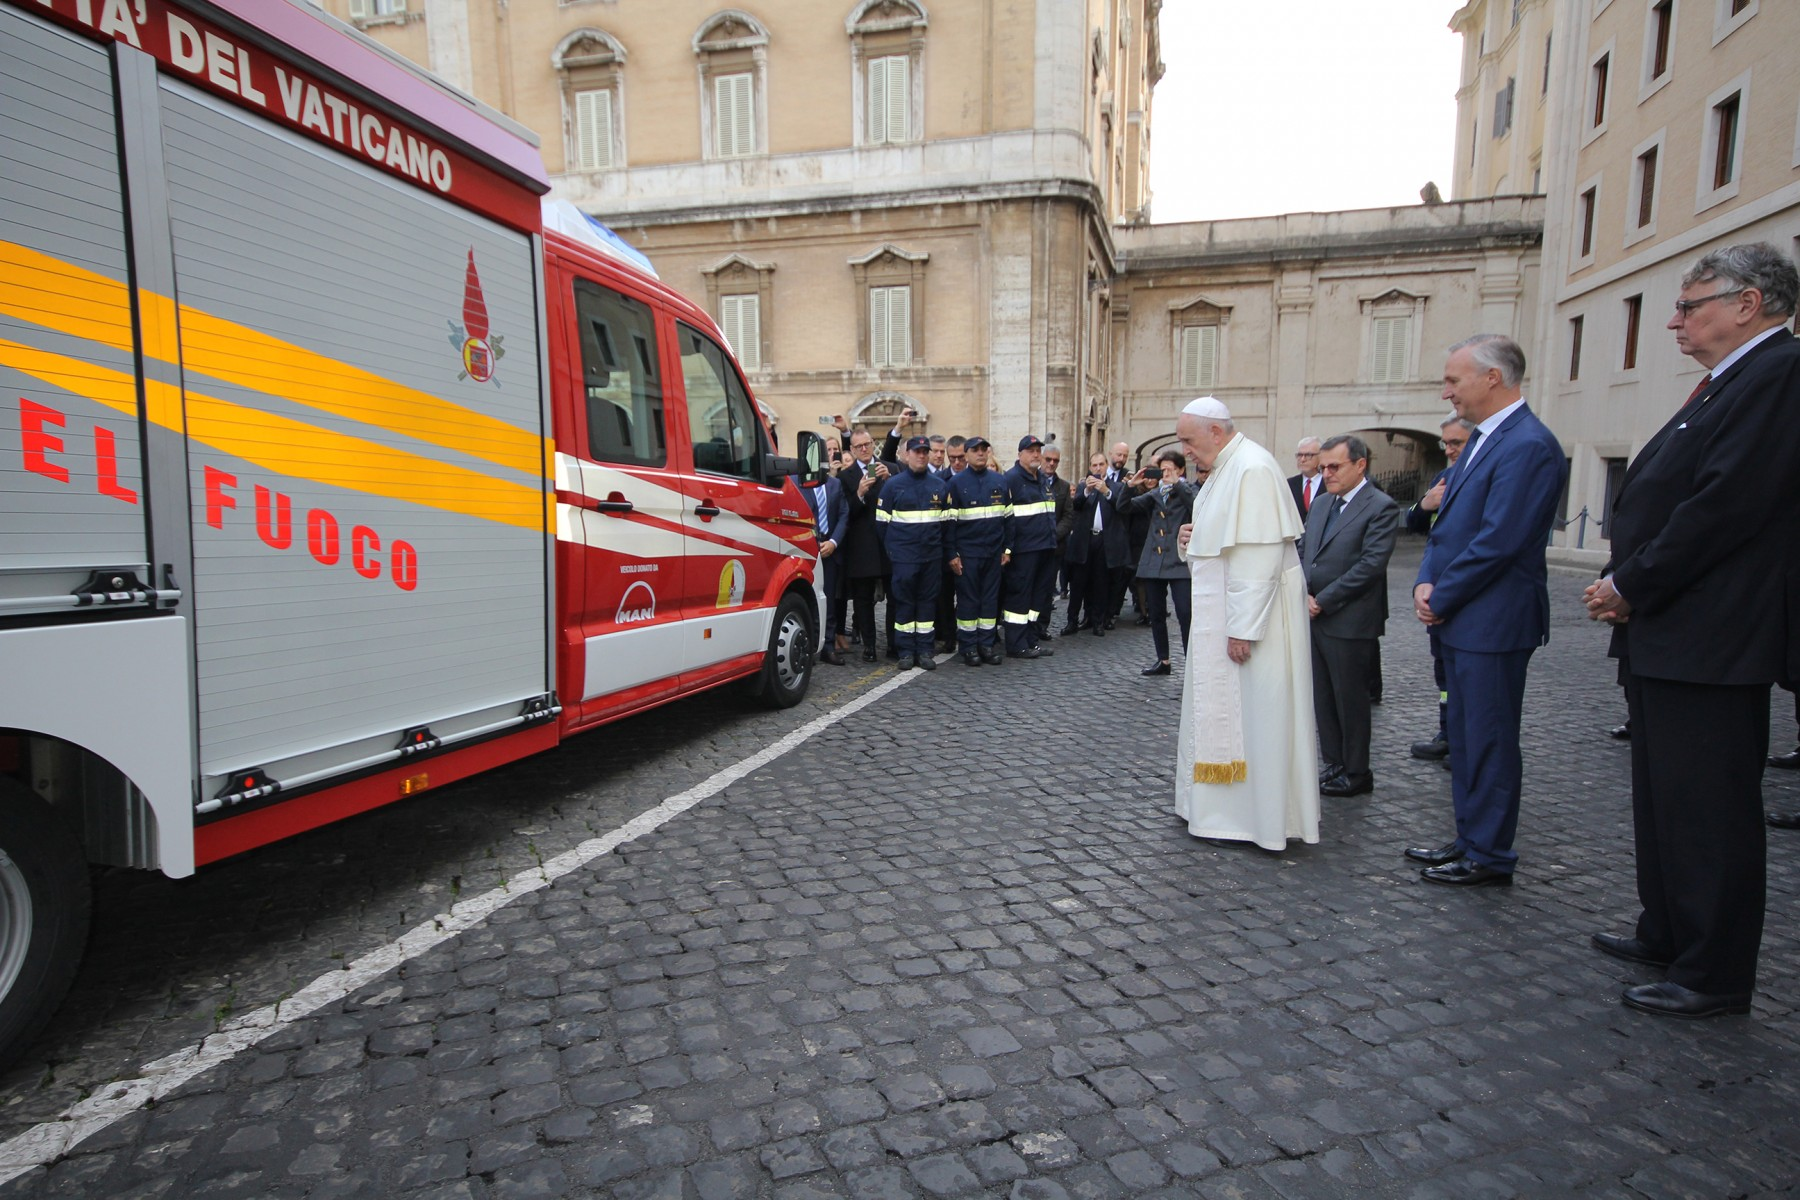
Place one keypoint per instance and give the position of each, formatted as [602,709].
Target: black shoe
[989,655]
[1783,820]
[1099,630]
[1347,784]
[1786,762]
[1667,999]
[1157,668]
[926,663]
[1330,771]
[892,652]
[1437,856]
[831,656]
[906,662]
[1374,697]
[1629,949]
[1070,630]
[1435,749]
[1035,652]
[869,655]
[1466,872]
[1143,620]
[971,660]
[1621,733]
[1110,623]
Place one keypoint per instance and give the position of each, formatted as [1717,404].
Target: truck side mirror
[812,458]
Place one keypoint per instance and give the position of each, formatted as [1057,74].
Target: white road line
[43,1144]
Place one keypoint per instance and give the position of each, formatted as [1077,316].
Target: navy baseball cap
[977,443]
[1030,440]
[918,443]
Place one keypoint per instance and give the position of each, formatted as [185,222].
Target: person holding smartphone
[1163,493]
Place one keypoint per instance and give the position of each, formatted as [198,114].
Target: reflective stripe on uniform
[1013,618]
[981,512]
[915,516]
[968,626]
[1033,509]
[913,626]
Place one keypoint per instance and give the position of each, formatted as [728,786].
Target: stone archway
[878,411]
[1402,462]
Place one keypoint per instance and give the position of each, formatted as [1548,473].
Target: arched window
[590,67]
[887,65]
[731,52]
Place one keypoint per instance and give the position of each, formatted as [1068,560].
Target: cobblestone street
[955,944]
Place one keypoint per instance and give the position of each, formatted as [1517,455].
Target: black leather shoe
[1449,852]
[926,663]
[1037,652]
[989,655]
[906,662]
[1347,784]
[1433,750]
[1070,630]
[1629,949]
[1620,733]
[1784,820]
[869,655]
[1667,999]
[1330,771]
[1466,872]
[1157,668]
[1112,622]
[831,656]
[1786,762]
[893,653]
[971,660]
[1099,630]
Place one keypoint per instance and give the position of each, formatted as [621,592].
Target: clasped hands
[1604,602]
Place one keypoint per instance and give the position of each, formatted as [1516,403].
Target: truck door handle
[610,505]
[707,509]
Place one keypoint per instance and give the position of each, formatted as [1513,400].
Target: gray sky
[1294,105]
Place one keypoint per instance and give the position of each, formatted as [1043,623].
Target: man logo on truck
[479,352]
[637,604]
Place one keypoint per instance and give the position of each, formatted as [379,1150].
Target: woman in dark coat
[1169,502]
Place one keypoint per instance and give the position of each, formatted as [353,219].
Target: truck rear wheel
[788,662]
[45,899]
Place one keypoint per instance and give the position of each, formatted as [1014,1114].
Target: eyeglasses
[1685,308]
[1446,443]
[1306,454]
[958,457]
[1329,468]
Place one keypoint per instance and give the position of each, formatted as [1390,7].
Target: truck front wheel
[44,904]
[788,663]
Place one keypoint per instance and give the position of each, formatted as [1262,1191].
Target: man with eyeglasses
[865,560]
[1307,485]
[1453,435]
[1700,592]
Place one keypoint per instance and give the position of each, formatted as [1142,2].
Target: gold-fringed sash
[1218,707]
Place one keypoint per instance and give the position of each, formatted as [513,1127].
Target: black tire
[45,900]
[788,662]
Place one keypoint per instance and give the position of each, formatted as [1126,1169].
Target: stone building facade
[1504,99]
[1677,132]
[1314,324]
[883,203]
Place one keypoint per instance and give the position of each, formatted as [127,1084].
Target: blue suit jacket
[1485,556]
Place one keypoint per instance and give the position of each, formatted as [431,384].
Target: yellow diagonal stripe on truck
[60,295]
[296,449]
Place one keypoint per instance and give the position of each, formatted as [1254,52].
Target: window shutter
[877,113]
[1208,356]
[1190,357]
[1393,336]
[900,326]
[593,130]
[899,112]
[734,119]
[359,10]
[740,320]
[878,327]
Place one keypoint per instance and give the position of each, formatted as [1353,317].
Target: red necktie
[1307,491]
[1705,382]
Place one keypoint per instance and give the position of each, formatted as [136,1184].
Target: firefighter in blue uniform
[978,503]
[911,516]
[1030,551]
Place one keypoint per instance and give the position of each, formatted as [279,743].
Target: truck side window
[727,436]
[621,376]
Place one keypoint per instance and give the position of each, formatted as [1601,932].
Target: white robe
[1245,518]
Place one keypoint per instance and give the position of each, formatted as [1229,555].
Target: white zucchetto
[1208,408]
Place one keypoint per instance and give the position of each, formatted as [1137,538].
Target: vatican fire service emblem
[479,349]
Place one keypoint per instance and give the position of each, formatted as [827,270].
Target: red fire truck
[335,465]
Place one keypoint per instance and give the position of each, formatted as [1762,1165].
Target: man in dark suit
[1453,435]
[1307,485]
[1349,538]
[1054,581]
[1698,594]
[1097,548]
[1483,584]
[865,559]
[831,514]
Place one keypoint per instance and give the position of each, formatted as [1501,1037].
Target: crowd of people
[973,556]
[1279,588]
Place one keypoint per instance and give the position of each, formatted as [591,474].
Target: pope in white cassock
[1245,768]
